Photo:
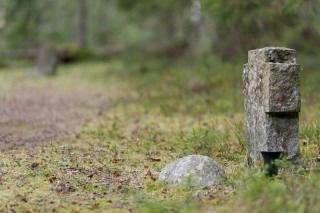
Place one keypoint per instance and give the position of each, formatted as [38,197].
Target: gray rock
[273,55]
[202,171]
[272,102]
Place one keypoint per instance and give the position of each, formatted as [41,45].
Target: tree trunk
[47,60]
[195,26]
[83,12]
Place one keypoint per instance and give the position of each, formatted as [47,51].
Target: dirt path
[33,116]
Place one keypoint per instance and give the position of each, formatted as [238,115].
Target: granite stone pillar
[272,103]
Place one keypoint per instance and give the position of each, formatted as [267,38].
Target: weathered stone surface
[202,171]
[283,93]
[272,102]
[283,132]
[273,55]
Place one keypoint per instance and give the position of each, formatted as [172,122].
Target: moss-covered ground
[156,113]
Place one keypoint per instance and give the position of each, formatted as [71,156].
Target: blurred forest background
[169,29]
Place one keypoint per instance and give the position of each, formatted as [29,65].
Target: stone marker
[202,171]
[272,103]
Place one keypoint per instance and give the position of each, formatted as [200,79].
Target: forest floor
[30,116]
[95,137]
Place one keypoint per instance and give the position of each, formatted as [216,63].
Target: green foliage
[310,133]
[285,194]
[244,25]
[23,20]
[57,21]
[29,22]
[230,28]
[168,206]
[153,7]
[210,142]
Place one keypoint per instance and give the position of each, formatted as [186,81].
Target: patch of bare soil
[30,116]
